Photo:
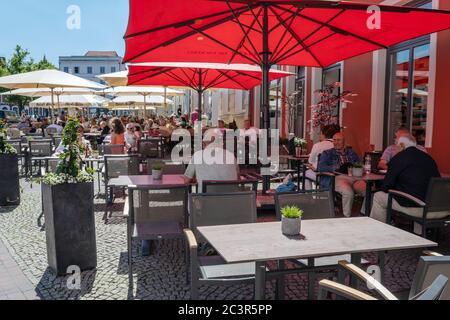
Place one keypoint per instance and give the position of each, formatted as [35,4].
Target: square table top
[365,177]
[320,237]
[168,181]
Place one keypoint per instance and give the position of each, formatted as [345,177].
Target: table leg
[260,280]
[298,174]
[303,176]
[368,198]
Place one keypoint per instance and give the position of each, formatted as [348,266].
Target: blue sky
[40,26]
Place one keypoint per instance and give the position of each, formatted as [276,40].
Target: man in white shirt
[59,129]
[326,143]
[212,163]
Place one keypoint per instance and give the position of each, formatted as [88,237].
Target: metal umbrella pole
[265,101]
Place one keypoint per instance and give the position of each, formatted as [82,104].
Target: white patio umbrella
[144,92]
[116,79]
[44,92]
[67,101]
[157,101]
[50,79]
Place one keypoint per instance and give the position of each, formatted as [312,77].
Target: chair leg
[130,263]
[311,283]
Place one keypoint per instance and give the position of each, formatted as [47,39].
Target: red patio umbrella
[269,32]
[199,76]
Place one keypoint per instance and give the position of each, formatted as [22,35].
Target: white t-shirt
[317,149]
[206,165]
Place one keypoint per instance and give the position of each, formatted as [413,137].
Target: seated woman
[130,138]
[118,132]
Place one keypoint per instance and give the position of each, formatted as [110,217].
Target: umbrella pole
[165,98]
[200,93]
[145,105]
[265,66]
[53,104]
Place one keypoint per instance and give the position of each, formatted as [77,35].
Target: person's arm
[312,157]
[189,173]
[385,158]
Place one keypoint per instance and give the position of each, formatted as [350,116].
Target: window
[407,94]
[89,70]
[102,70]
[296,112]
[332,75]
[66,69]
[76,70]
[113,69]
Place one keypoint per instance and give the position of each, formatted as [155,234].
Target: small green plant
[291,212]
[157,166]
[358,165]
[5,147]
[299,142]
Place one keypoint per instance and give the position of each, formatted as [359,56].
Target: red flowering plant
[323,113]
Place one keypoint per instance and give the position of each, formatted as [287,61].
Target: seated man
[409,171]
[326,143]
[339,159]
[212,163]
[392,150]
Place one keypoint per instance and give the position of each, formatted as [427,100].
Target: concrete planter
[157,174]
[357,172]
[291,227]
[70,226]
[9,180]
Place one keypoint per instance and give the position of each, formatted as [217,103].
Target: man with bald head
[339,159]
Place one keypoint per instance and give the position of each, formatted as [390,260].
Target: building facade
[406,85]
[92,64]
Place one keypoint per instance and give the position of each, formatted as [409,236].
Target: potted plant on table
[68,206]
[299,144]
[357,169]
[291,220]
[9,171]
[157,171]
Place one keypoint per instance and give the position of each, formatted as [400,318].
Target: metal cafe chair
[429,283]
[149,218]
[217,209]
[437,203]
[38,150]
[316,204]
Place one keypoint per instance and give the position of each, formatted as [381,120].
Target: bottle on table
[368,164]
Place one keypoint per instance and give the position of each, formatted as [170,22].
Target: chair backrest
[117,165]
[427,270]
[159,206]
[56,140]
[40,148]
[221,209]
[434,291]
[53,165]
[149,147]
[16,144]
[315,204]
[438,199]
[108,149]
[229,186]
[174,168]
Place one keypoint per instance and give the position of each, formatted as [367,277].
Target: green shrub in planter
[68,205]
[9,171]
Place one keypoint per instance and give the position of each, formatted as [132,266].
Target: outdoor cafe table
[168,181]
[369,179]
[262,242]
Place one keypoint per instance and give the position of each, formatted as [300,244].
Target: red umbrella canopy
[301,32]
[199,76]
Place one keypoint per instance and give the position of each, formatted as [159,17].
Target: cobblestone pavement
[160,276]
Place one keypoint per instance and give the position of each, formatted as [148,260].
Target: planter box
[70,226]
[9,180]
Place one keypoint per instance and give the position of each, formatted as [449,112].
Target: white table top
[321,237]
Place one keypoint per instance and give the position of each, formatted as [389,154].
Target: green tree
[21,62]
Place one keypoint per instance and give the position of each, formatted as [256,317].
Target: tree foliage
[21,62]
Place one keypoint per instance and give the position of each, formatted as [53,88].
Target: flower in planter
[292,212]
[358,165]
[157,166]
[5,147]
[299,142]
[69,167]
